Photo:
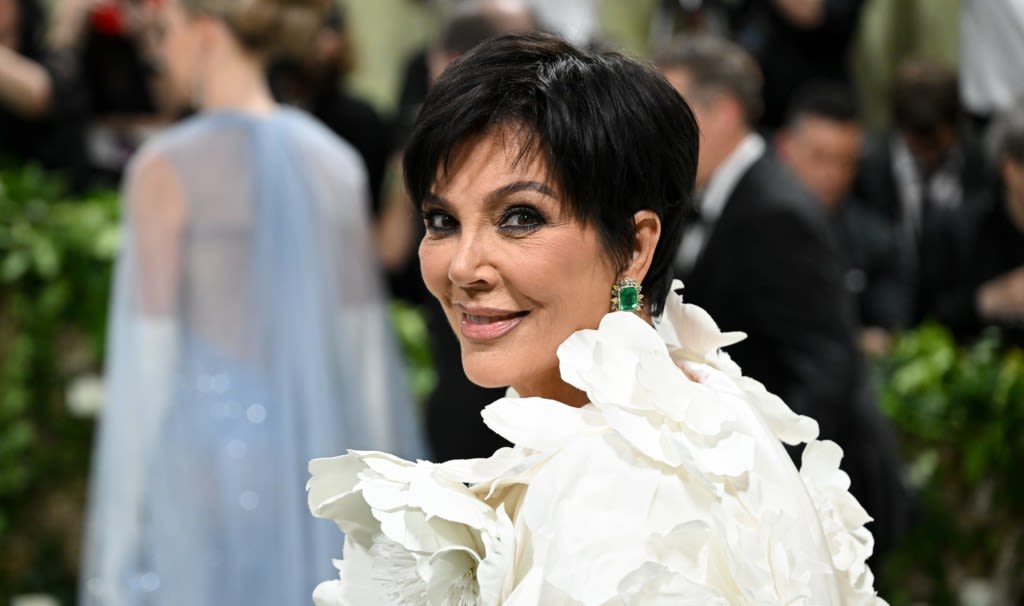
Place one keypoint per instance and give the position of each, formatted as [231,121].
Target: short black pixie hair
[615,136]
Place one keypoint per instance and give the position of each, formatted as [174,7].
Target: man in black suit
[761,259]
[922,172]
[821,143]
[985,251]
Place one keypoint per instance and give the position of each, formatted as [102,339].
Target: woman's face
[514,272]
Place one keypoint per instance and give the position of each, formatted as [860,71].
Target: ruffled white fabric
[663,490]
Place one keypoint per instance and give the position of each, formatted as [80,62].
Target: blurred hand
[1002,298]
[802,13]
[875,342]
[67,21]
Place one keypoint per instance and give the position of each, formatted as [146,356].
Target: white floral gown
[663,490]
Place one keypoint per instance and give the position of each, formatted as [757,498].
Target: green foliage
[411,329]
[55,259]
[960,412]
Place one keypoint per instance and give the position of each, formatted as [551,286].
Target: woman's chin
[486,377]
[490,369]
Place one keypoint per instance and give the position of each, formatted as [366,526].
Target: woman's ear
[648,232]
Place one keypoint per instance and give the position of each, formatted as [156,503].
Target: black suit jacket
[771,269]
[875,186]
[984,245]
[876,264]
[876,189]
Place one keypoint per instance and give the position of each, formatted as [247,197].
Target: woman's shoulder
[177,139]
[302,124]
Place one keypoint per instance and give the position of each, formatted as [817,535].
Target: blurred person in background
[249,331]
[467,23]
[760,258]
[795,42]
[41,110]
[820,143]
[987,237]
[454,424]
[575,20]
[923,169]
[314,83]
[127,92]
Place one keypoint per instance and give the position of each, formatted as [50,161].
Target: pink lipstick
[486,323]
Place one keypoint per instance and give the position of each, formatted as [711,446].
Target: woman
[248,332]
[646,469]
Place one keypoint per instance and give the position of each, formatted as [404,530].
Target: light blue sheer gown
[254,341]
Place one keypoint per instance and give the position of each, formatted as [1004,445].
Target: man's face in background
[823,153]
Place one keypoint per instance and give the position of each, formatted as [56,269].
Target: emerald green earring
[626,295]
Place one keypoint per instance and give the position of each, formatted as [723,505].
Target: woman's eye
[522,218]
[436,220]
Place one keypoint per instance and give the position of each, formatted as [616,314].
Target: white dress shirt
[712,199]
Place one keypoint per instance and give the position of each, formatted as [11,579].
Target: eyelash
[522,211]
[433,217]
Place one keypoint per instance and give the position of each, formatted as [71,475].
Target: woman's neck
[557,390]
[552,387]
[235,81]
[549,385]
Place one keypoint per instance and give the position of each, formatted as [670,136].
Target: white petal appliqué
[669,488]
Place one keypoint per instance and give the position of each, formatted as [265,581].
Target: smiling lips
[487,324]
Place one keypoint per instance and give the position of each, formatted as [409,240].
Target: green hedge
[960,413]
[961,416]
[55,259]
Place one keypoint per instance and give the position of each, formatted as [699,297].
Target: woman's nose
[469,265]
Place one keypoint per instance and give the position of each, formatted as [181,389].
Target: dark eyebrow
[495,196]
[516,187]
[436,200]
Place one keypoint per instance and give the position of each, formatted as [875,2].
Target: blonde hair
[268,27]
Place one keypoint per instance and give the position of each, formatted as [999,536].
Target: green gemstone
[629,298]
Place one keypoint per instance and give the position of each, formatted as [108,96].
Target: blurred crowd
[924,218]
[913,206]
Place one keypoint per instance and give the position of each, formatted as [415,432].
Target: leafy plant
[411,330]
[55,260]
[961,415]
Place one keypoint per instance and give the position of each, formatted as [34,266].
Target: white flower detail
[691,334]
[86,395]
[842,519]
[662,490]
[414,536]
[35,599]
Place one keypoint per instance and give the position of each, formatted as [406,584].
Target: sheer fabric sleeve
[140,366]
